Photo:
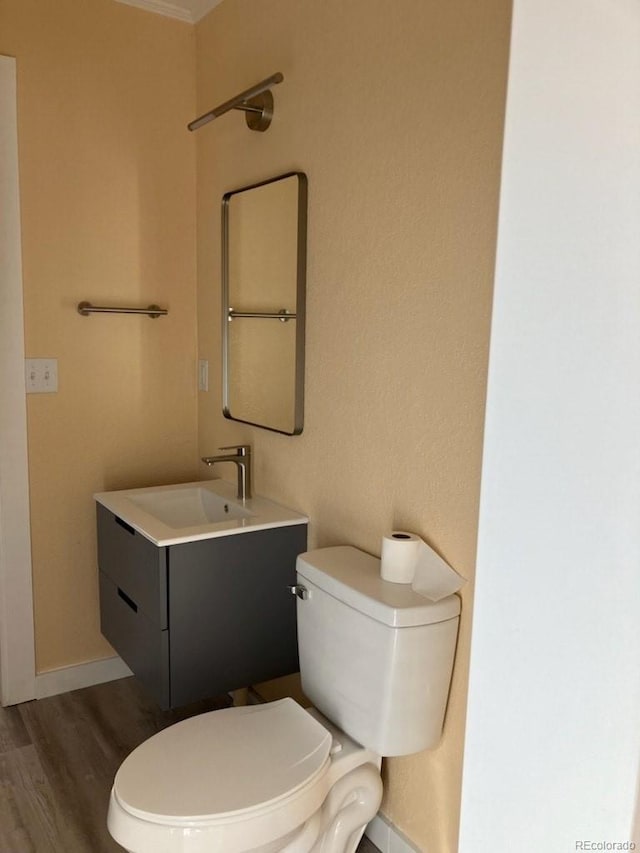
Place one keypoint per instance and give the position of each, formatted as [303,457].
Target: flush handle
[299,590]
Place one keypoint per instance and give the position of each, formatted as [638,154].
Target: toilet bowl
[261,778]
[375,661]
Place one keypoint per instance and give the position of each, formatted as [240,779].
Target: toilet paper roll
[399,556]
[406,558]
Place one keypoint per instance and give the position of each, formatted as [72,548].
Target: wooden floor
[58,757]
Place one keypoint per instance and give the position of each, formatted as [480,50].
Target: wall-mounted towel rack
[153,311]
[283,315]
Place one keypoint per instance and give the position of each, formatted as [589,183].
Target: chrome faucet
[242,459]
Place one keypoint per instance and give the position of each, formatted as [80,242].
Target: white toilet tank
[375,657]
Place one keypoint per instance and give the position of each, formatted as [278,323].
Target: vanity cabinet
[201,618]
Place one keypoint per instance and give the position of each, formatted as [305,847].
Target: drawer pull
[126,526]
[123,595]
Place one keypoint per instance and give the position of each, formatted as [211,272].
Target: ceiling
[184,10]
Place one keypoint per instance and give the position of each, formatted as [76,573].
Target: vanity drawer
[139,641]
[134,564]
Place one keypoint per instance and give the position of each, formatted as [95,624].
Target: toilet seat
[224,782]
[224,765]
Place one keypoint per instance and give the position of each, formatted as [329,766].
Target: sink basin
[187,512]
[189,507]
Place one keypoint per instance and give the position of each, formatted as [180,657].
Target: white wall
[553,732]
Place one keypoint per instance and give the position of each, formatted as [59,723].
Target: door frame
[17,646]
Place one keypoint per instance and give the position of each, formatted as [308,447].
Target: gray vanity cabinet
[198,619]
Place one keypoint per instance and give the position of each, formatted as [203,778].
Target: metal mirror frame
[301,286]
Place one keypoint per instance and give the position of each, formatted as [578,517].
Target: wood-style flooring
[58,757]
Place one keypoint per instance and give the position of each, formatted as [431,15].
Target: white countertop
[261,514]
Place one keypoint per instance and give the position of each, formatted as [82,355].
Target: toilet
[376,660]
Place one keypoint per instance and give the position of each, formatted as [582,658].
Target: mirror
[264,248]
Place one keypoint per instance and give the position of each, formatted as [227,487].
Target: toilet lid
[223,762]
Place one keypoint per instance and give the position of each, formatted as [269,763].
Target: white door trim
[17,648]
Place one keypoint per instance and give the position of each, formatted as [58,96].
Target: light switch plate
[203,375]
[41,375]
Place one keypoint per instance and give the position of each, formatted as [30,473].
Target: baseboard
[387,838]
[82,675]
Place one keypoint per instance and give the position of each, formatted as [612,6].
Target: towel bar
[153,311]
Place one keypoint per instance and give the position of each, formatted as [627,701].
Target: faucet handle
[242,449]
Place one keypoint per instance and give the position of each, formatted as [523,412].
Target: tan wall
[395,111]
[108,214]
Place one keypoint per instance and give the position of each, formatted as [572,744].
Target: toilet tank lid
[353,577]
